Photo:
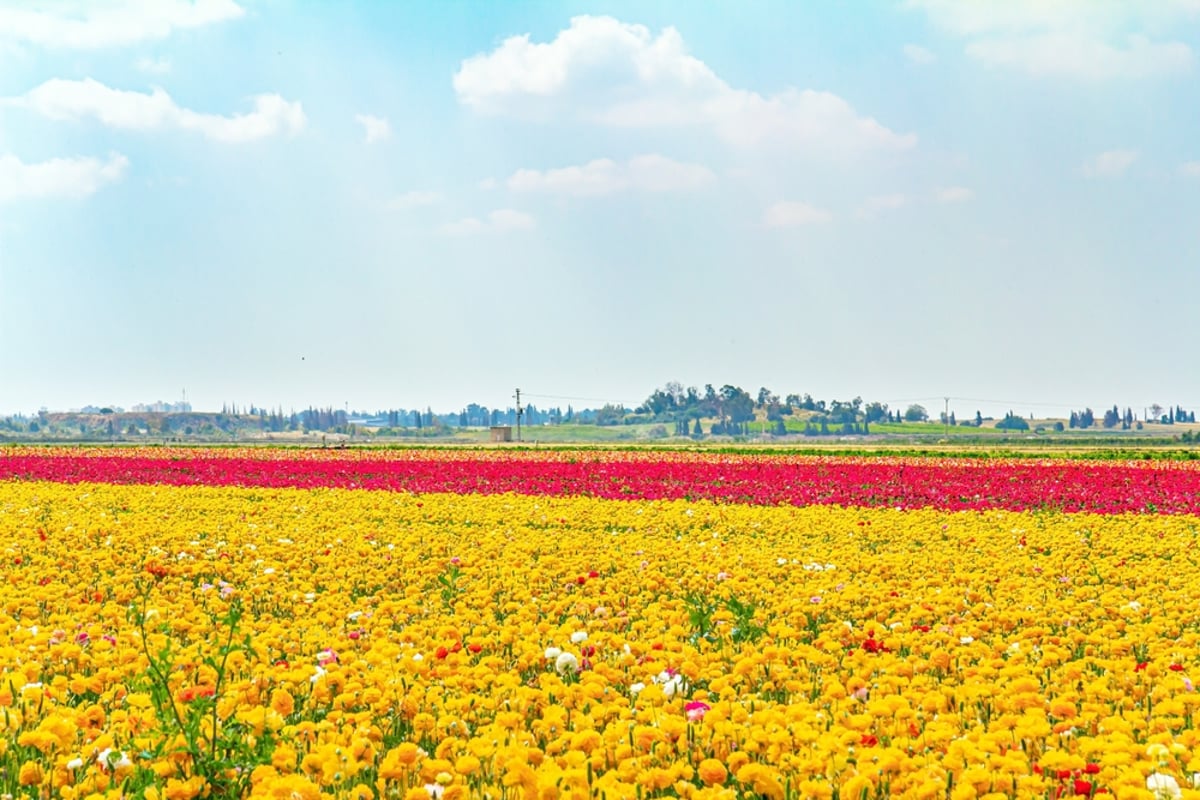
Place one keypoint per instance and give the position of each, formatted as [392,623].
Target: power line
[566,397]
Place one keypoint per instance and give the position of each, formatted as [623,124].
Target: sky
[396,205]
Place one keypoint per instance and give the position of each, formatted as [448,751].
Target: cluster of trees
[1012,422]
[726,411]
[1126,419]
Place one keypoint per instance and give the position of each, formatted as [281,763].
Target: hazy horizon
[416,204]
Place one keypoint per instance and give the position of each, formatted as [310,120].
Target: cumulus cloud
[1090,39]
[648,173]
[86,24]
[58,177]
[414,199]
[501,220]
[1109,164]
[1190,168]
[954,194]
[919,55]
[376,129]
[795,214]
[603,71]
[116,108]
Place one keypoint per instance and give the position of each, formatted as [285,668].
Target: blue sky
[410,204]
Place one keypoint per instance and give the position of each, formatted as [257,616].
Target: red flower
[868,740]
[1141,666]
[872,645]
[1176,668]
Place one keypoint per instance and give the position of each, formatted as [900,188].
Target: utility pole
[519,412]
[946,418]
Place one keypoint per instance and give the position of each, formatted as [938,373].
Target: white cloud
[87,24]
[501,220]
[1110,163]
[793,214]
[1190,168]
[604,71]
[1092,39]
[488,184]
[154,66]
[919,55]
[58,177]
[414,199]
[377,129]
[73,100]
[882,202]
[1080,56]
[649,173]
[954,194]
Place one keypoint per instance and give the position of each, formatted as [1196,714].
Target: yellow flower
[282,702]
[762,779]
[465,765]
[183,790]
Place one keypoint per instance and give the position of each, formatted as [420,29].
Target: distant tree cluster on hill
[673,409]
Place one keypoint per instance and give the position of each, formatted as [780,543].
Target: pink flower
[696,710]
[327,656]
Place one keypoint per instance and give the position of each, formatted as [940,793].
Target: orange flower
[712,772]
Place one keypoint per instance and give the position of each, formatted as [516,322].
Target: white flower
[670,682]
[1164,786]
[552,653]
[635,688]
[566,662]
[75,763]
[353,615]
[579,637]
[318,674]
[435,790]
[966,639]
[110,759]
[418,657]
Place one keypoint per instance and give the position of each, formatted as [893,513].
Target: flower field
[453,624]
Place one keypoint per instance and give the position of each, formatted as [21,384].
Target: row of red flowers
[952,484]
